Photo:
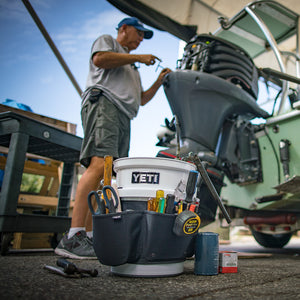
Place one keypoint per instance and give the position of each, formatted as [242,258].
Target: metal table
[24,135]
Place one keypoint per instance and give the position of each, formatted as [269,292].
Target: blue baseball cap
[138,25]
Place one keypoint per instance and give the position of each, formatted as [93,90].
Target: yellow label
[191,225]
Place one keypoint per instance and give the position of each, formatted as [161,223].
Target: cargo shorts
[106,130]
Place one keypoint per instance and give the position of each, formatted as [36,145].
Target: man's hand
[149,94]
[148,59]
[162,74]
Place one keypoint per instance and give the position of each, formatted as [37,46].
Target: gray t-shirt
[120,85]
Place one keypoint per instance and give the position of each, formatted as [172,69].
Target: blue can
[206,253]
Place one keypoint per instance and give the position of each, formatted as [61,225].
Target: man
[111,99]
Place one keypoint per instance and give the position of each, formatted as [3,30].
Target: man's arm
[149,94]
[109,60]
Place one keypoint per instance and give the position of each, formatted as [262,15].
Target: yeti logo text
[145,177]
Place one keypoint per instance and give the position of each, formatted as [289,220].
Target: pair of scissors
[111,202]
[108,203]
[99,200]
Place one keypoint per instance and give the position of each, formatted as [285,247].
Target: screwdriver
[192,207]
[191,186]
[180,207]
[159,194]
[170,204]
[161,205]
[151,204]
[70,268]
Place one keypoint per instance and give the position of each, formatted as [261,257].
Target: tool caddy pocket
[116,237]
[159,242]
[143,237]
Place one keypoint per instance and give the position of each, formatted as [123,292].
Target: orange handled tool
[108,162]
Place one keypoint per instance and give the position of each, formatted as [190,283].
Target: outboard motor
[213,95]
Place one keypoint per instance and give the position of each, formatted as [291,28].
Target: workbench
[21,135]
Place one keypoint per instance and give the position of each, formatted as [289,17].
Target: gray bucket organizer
[138,237]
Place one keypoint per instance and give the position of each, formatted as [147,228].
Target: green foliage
[31,183]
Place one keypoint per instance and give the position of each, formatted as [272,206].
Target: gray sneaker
[78,246]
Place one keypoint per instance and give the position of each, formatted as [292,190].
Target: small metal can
[228,262]
[206,254]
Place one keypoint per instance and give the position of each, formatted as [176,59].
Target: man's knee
[97,165]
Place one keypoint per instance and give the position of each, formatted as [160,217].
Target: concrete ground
[262,274]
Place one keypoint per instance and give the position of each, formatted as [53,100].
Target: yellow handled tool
[108,162]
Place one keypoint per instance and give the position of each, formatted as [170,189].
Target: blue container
[207,254]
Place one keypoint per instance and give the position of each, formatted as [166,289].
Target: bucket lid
[152,162]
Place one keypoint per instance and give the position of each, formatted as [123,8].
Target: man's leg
[88,182]
[78,245]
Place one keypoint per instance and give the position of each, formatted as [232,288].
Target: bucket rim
[150,162]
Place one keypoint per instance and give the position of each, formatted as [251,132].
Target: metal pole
[297,52]
[274,47]
[52,45]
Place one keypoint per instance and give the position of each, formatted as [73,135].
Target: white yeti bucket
[138,179]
